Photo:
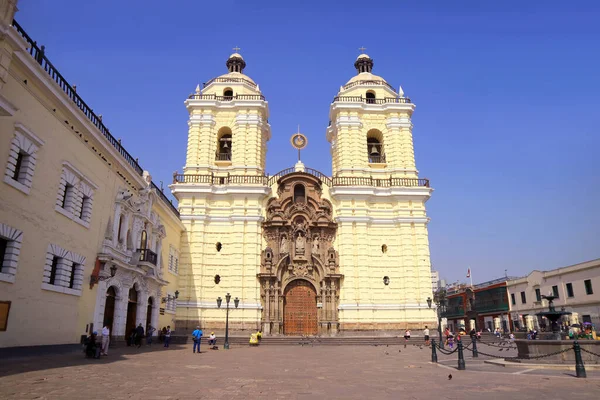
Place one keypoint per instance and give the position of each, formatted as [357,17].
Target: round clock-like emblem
[299,141]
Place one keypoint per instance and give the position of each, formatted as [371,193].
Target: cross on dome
[362,49]
[236,49]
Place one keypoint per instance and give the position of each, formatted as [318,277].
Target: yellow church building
[304,253]
[87,239]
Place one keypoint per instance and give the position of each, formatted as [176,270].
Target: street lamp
[439,298]
[236,301]
[96,278]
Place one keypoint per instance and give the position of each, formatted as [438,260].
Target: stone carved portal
[299,277]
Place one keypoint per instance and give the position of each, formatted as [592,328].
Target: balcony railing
[360,99]
[148,256]
[223,157]
[369,83]
[230,80]
[195,96]
[39,56]
[221,180]
[269,180]
[377,159]
[387,182]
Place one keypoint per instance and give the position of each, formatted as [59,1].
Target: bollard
[474,342]
[433,352]
[461,356]
[579,367]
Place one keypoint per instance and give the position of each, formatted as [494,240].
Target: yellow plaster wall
[60,317]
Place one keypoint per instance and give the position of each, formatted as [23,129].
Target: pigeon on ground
[449,376]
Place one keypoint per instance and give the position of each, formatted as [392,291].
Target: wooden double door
[300,309]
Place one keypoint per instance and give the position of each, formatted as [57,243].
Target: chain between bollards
[579,367]
[461,357]
[474,342]
[433,352]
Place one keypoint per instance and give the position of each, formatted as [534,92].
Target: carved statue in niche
[284,245]
[315,245]
[300,241]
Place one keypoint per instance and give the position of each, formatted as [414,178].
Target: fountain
[553,316]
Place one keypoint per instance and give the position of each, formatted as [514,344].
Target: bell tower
[370,127]
[221,194]
[228,124]
[379,204]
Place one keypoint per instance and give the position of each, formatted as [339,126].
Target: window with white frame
[173,260]
[10,248]
[63,271]
[75,195]
[171,304]
[22,159]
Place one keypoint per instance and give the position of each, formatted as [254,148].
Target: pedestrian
[197,336]
[406,337]
[149,331]
[105,340]
[139,334]
[92,350]
[426,334]
[168,336]
[212,340]
[161,337]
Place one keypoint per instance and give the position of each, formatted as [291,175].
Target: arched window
[111,292]
[370,97]
[299,194]
[375,151]
[224,145]
[133,295]
[228,94]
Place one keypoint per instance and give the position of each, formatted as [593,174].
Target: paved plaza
[279,372]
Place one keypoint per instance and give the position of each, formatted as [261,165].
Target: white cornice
[395,122]
[373,108]
[187,188]
[343,192]
[234,104]
[207,119]
[79,174]
[7,107]
[381,221]
[369,170]
[248,119]
[404,306]
[226,220]
[213,305]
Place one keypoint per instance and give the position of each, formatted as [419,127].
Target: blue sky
[507,95]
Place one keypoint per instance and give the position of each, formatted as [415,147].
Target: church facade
[304,253]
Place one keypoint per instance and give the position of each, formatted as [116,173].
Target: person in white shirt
[212,339]
[105,340]
[426,334]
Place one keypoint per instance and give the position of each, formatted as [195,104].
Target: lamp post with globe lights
[439,299]
[236,301]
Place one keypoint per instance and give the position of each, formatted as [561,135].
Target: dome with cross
[365,77]
[234,83]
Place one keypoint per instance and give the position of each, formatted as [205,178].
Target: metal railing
[310,171]
[196,96]
[164,198]
[221,180]
[360,99]
[386,182]
[230,80]
[372,82]
[269,180]
[377,159]
[148,256]
[38,54]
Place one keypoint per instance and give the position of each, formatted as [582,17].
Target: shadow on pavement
[21,360]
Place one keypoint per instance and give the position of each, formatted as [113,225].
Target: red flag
[469,273]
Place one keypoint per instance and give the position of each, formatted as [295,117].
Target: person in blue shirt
[197,335]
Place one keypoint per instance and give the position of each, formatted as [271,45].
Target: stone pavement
[285,372]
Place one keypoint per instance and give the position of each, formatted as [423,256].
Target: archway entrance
[131,312]
[149,313]
[109,308]
[300,309]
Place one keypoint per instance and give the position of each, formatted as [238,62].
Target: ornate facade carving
[299,231]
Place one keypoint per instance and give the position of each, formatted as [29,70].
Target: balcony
[360,99]
[148,256]
[223,157]
[371,82]
[230,80]
[196,96]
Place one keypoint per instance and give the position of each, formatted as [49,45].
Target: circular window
[219,246]
[386,280]
[217,279]
[384,248]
